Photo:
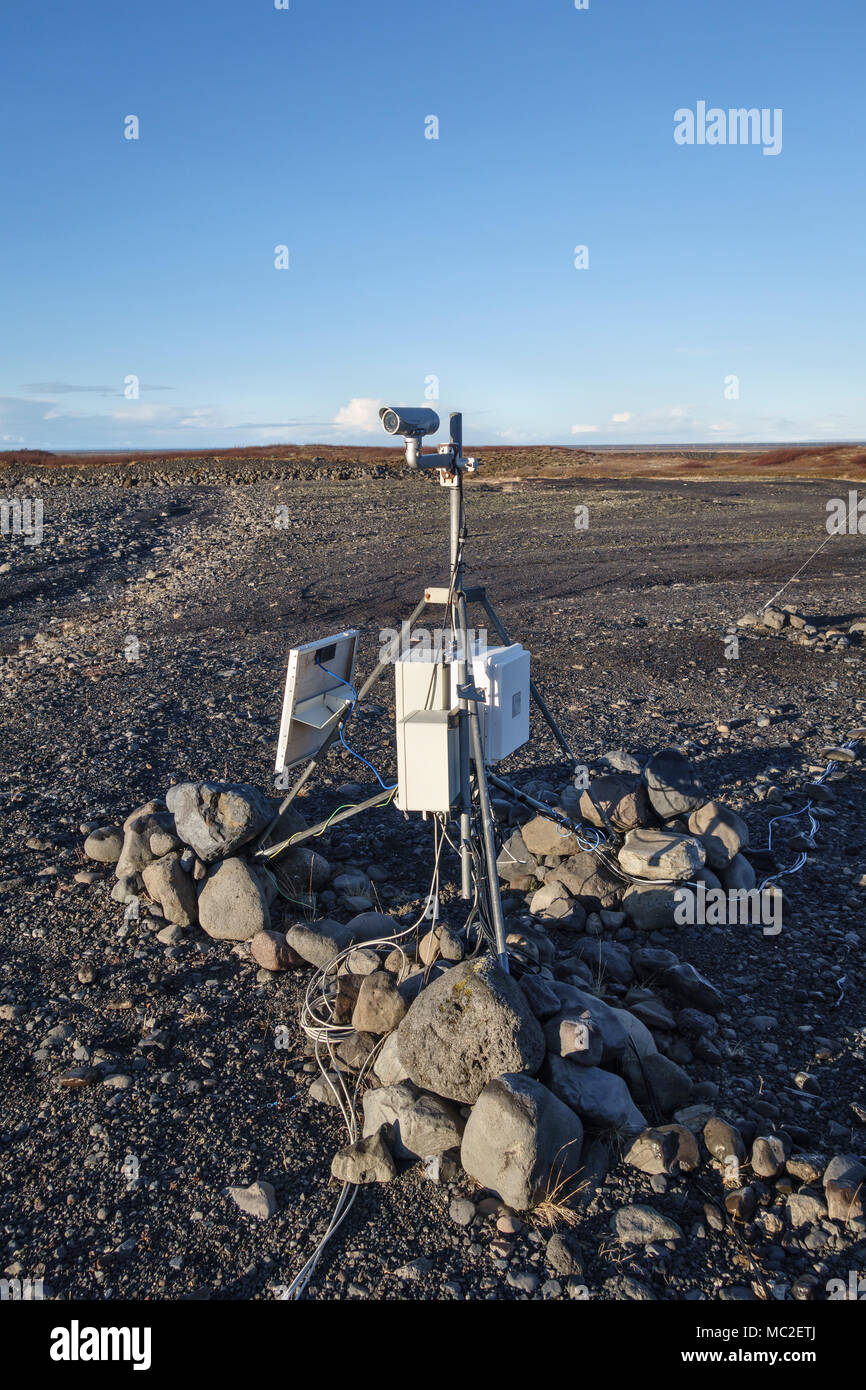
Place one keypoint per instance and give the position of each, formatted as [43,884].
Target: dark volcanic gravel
[145,640]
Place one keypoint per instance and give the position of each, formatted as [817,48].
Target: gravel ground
[145,640]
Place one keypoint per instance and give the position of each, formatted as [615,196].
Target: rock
[167,884]
[808,1168]
[845,1188]
[372,926]
[623,799]
[657,1081]
[325,1089]
[741,1203]
[136,853]
[641,1225]
[362,962]
[769,1155]
[586,878]
[652,909]
[380,1005]
[440,942]
[721,832]
[169,936]
[543,1000]
[514,860]
[271,951]
[660,854]
[606,959]
[805,1208]
[467,1027]
[738,874]
[104,845]
[164,842]
[231,903]
[724,1141]
[598,1097]
[521,1142]
[461,1211]
[641,1042]
[367,1160]
[563,1255]
[551,899]
[575,1001]
[679,977]
[417,1125]
[387,1066]
[306,870]
[217,818]
[320,942]
[259,1199]
[542,836]
[669,1149]
[673,785]
[355,1051]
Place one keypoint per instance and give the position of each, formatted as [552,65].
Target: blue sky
[413,258]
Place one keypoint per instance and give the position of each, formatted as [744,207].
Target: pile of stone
[665,828]
[787,621]
[190,857]
[502,1076]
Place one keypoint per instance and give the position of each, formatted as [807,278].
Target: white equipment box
[502,674]
[315,697]
[428,760]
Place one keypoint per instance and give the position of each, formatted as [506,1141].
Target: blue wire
[361,759]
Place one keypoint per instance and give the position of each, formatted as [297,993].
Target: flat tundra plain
[144,641]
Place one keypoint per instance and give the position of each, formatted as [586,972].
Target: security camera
[411,423]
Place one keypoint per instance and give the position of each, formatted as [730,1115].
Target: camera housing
[410,421]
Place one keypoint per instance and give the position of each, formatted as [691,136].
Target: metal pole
[462,679]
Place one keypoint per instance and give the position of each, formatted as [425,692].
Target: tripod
[450,463]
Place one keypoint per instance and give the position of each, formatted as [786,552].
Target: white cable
[324,1031]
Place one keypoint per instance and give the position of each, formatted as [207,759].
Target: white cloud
[584,429]
[360,415]
[622,418]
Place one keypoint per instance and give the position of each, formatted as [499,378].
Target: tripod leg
[484,805]
[533,688]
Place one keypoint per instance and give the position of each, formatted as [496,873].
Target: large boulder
[174,889]
[469,1026]
[657,1081]
[217,818]
[521,1142]
[605,1020]
[621,797]
[232,904]
[104,845]
[653,908]
[515,861]
[543,836]
[136,853]
[417,1125]
[598,1097]
[721,832]
[673,785]
[307,871]
[661,854]
[586,877]
[318,943]
[380,1005]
